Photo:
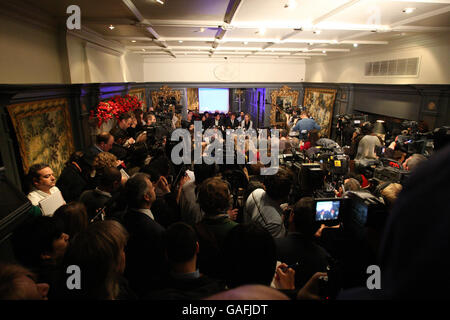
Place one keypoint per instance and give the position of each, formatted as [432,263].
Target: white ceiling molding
[103,49]
[95,38]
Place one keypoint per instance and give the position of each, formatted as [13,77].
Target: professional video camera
[363,209]
[345,126]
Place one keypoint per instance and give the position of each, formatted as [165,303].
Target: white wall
[28,53]
[219,70]
[133,67]
[433,51]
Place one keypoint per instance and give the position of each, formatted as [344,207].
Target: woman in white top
[247,124]
[42,181]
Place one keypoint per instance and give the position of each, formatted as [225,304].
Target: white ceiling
[242,28]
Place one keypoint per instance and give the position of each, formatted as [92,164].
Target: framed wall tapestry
[44,132]
[140,94]
[192,97]
[319,103]
[281,100]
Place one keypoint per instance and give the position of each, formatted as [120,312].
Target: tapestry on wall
[44,132]
[192,98]
[319,103]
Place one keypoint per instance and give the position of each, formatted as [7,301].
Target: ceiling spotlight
[262,31]
[246,42]
[318,32]
[180,41]
[111,27]
[408,10]
[202,29]
[160,1]
[324,51]
[310,43]
[381,121]
[143,49]
[355,45]
[133,41]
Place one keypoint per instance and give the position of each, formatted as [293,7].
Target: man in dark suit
[103,143]
[146,263]
[299,245]
[217,122]
[232,122]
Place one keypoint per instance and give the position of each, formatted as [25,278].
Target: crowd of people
[140,227]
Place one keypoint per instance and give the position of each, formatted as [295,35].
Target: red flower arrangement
[114,108]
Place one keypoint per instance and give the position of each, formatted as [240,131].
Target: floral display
[114,108]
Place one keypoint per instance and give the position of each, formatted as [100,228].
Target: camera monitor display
[327,210]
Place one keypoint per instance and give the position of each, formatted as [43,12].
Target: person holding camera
[304,125]
[367,144]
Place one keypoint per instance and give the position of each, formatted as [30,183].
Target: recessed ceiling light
[133,40]
[202,29]
[262,31]
[310,43]
[324,51]
[246,42]
[111,27]
[180,41]
[317,31]
[160,1]
[143,49]
[408,10]
[355,45]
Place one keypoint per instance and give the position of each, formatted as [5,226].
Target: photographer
[304,125]
[299,245]
[263,206]
[367,144]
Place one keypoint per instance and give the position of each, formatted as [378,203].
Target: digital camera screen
[327,210]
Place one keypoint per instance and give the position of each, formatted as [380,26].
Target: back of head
[278,185]
[250,292]
[19,283]
[416,244]
[313,136]
[352,184]
[414,161]
[74,217]
[304,216]
[366,128]
[214,196]
[135,189]
[390,193]
[203,171]
[97,251]
[181,242]
[110,176]
[304,114]
[249,255]
[34,238]
[104,160]
[103,137]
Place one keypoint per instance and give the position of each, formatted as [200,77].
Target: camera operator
[304,125]
[367,144]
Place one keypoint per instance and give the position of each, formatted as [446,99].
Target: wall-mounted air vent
[399,67]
